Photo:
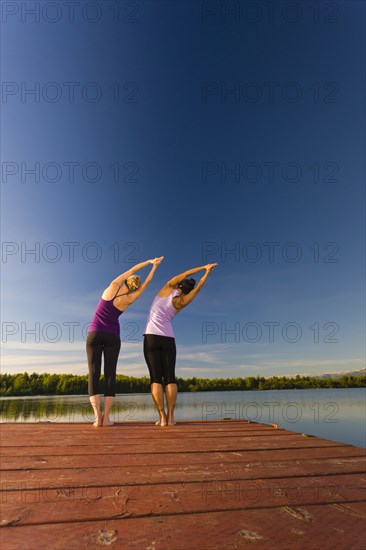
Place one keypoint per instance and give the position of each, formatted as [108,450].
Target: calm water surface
[336,414]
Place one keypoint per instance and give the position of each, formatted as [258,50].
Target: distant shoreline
[38,385]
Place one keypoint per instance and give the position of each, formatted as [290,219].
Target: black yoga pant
[160,354]
[98,344]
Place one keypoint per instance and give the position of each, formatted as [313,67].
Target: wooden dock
[195,486]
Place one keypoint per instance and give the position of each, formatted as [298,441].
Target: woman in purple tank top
[159,342]
[103,335]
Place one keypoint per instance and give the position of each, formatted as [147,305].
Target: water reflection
[336,414]
[68,409]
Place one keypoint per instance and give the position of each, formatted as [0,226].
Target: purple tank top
[105,318]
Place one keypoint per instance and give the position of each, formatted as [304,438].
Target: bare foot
[171,422]
[97,423]
[162,421]
[106,422]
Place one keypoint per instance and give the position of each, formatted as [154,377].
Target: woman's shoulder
[166,291]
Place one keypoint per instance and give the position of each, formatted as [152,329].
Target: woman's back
[161,314]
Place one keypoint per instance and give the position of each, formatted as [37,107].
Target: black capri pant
[98,344]
[160,353]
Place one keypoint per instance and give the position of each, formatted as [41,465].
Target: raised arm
[178,278]
[132,297]
[183,300]
[112,289]
[121,278]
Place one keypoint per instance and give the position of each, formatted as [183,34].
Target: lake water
[335,414]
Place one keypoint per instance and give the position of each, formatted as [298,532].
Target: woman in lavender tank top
[159,342]
[103,335]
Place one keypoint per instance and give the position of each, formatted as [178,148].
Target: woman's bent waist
[93,335]
[158,335]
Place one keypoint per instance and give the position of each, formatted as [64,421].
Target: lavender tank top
[105,318]
[160,316]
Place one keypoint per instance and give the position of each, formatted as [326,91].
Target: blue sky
[202,131]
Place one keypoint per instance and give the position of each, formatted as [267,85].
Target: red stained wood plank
[182,473]
[45,460]
[52,505]
[207,485]
[287,528]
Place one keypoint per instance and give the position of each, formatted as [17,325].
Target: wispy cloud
[220,361]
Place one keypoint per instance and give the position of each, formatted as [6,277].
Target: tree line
[70,384]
